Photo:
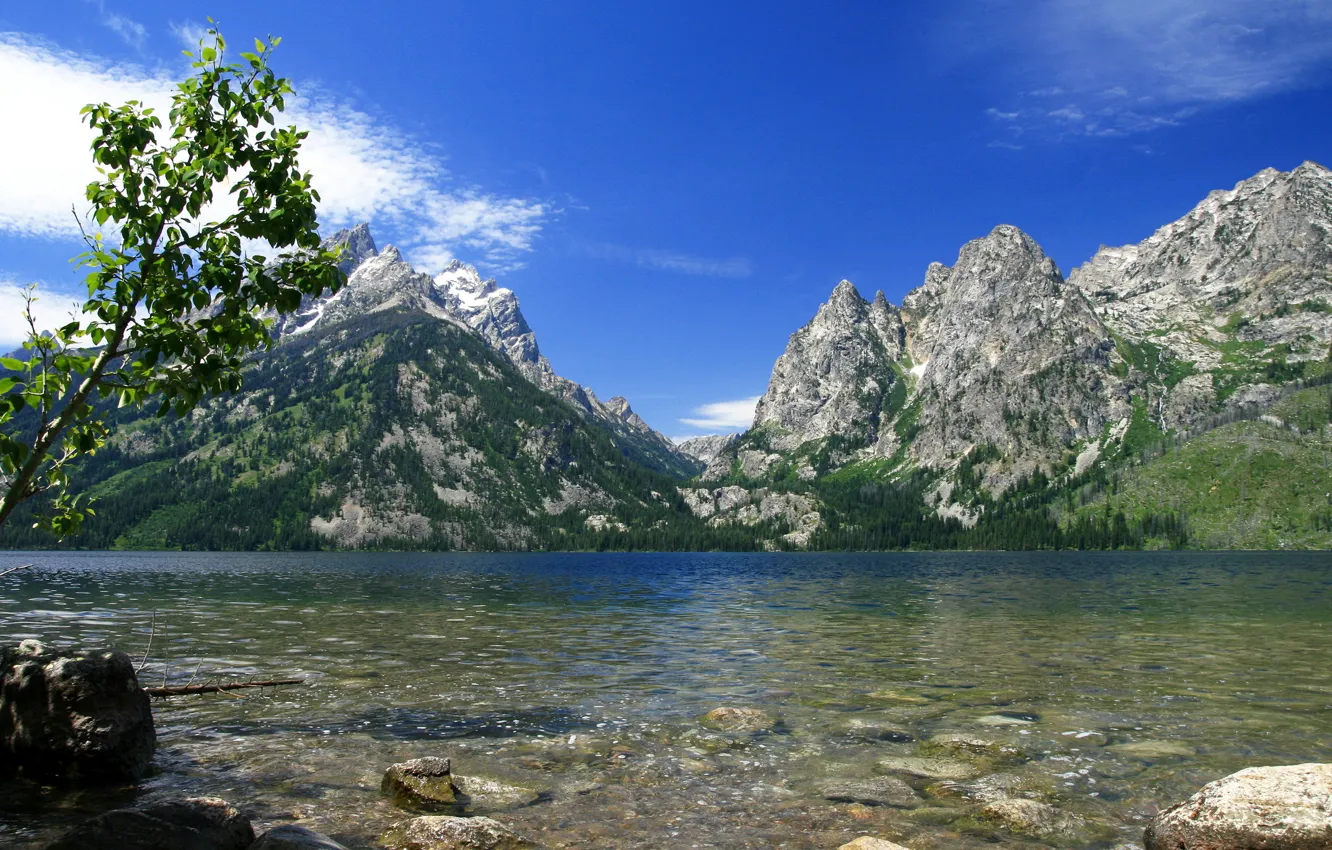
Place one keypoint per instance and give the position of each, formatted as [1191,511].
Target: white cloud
[51,309]
[189,35]
[725,416]
[131,31]
[364,168]
[1131,66]
[670,261]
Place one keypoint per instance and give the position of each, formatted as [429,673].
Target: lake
[1111,684]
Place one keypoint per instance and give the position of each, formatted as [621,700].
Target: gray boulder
[292,837]
[1272,808]
[200,823]
[73,717]
[420,782]
[879,791]
[450,833]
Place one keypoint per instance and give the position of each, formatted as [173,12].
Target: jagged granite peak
[357,243]
[619,406]
[1250,257]
[1014,357]
[493,312]
[835,373]
[707,447]
[459,295]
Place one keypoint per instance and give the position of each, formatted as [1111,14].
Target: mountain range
[1000,404]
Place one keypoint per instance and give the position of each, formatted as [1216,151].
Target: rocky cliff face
[706,448]
[1013,357]
[459,295]
[1231,298]
[837,372]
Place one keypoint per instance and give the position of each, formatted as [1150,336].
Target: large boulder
[73,716]
[450,833]
[420,783]
[292,837]
[1263,808]
[200,823]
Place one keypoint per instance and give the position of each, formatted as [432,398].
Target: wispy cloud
[51,309]
[131,31]
[1073,67]
[189,35]
[364,168]
[724,416]
[669,261]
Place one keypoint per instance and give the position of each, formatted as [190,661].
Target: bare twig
[16,569]
[214,689]
[152,633]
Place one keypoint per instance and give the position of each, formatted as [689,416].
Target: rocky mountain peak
[993,332]
[359,246]
[1251,253]
[834,373]
[619,407]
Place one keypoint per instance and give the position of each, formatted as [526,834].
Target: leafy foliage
[174,299]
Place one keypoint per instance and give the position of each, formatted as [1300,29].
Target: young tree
[175,301]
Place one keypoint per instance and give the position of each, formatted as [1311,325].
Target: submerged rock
[737,719]
[927,768]
[482,793]
[292,837]
[1154,750]
[199,823]
[865,842]
[879,791]
[66,716]
[1272,808]
[876,730]
[971,748]
[1035,819]
[450,833]
[420,782]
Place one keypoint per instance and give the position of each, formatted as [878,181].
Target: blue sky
[672,189]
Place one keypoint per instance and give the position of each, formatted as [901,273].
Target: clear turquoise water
[1140,677]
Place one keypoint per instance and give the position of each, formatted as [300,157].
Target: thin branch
[217,689]
[16,569]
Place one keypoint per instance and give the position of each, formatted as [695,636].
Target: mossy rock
[420,783]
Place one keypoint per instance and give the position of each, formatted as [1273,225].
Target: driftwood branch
[16,569]
[213,689]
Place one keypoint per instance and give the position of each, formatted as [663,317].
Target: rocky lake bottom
[930,699]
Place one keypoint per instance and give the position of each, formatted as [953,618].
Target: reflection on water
[1124,681]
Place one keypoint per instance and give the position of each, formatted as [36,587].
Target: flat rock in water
[927,768]
[1272,808]
[450,833]
[1153,750]
[1003,720]
[736,719]
[420,782]
[73,716]
[489,794]
[865,842]
[198,823]
[874,730]
[879,791]
[1038,820]
[971,747]
[292,837]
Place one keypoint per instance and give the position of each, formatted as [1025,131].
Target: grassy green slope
[1264,484]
